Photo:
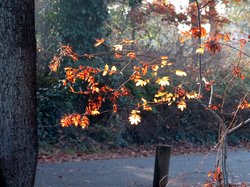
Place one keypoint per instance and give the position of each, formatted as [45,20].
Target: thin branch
[236,49]
[239,126]
[199,55]
[203,6]
[211,95]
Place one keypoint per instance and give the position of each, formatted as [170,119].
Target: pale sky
[181,6]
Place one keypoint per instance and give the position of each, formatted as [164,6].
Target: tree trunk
[18,130]
[212,18]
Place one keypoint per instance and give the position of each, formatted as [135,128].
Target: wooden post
[162,160]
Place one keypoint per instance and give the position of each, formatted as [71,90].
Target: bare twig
[199,36]
[239,126]
[203,6]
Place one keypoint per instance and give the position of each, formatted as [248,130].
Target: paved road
[138,172]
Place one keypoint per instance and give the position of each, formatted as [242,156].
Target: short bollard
[162,160]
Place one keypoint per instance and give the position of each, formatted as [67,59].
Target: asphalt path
[185,171]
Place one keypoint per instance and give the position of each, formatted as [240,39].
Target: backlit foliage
[142,74]
[174,85]
[172,88]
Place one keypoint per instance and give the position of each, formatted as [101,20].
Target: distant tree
[18,130]
[77,22]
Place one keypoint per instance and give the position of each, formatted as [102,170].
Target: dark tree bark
[18,131]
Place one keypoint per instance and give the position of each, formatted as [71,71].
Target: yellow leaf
[180,73]
[106,68]
[192,95]
[95,112]
[113,70]
[164,63]
[168,97]
[182,105]
[200,50]
[182,40]
[117,47]
[98,42]
[134,118]
[160,94]
[209,173]
[163,81]
[141,83]
[154,74]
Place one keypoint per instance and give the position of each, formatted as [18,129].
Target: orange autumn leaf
[209,84]
[196,32]
[76,120]
[131,55]
[145,105]
[208,185]
[185,36]
[244,105]
[237,73]
[214,107]
[117,55]
[180,92]
[226,38]
[217,174]
[99,42]
[84,122]
[54,64]
[242,43]
[213,45]
[164,57]
[155,67]
[115,107]
[144,70]
[210,173]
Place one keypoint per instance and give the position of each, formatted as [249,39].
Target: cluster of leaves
[58,21]
[143,73]
[216,178]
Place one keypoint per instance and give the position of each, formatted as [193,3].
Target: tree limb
[239,126]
